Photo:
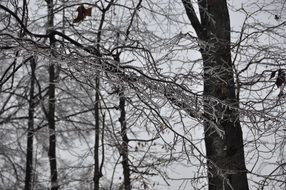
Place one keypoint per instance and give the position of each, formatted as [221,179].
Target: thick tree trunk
[30,135]
[223,134]
[226,164]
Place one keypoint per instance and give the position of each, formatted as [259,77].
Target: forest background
[142,94]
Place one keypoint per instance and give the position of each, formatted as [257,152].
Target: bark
[125,140]
[124,152]
[30,135]
[97,171]
[52,130]
[224,150]
[52,101]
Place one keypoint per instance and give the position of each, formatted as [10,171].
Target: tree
[223,133]
[52,102]
[138,88]
[30,133]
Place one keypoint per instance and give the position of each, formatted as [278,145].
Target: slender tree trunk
[30,135]
[124,146]
[97,172]
[223,133]
[52,130]
[52,101]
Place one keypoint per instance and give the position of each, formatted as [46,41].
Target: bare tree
[52,102]
[97,172]
[189,83]
[30,133]
[224,141]
[125,140]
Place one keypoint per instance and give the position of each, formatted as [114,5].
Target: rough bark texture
[226,164]
[30,135]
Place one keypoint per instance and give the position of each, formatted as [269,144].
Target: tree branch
[190,11]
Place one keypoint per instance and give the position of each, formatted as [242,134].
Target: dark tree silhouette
[30,134]
[223,134]
[52,102]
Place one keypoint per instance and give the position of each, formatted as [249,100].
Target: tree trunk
[124,152]
[52,101]
[223,134]
[125,140]
[52,130]
[30,135]
[97,172]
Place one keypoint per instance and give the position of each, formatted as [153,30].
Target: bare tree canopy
[124,95]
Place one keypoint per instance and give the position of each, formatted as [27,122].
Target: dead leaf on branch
[82,13]
[276,17]
[272,74]
[280,80]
